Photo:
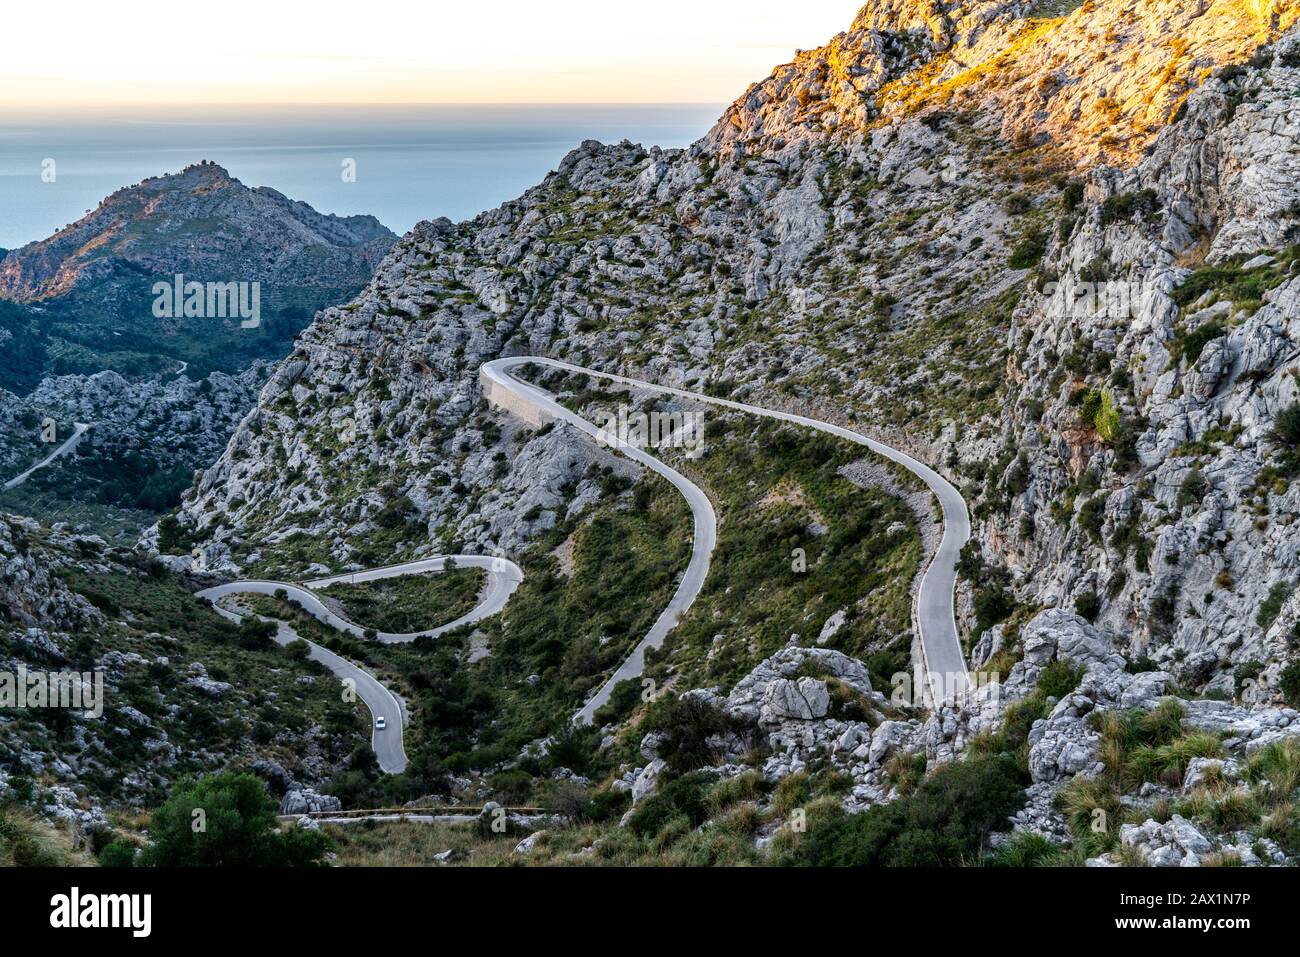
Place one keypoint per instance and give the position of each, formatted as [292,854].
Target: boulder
[803,700]
[1177,843]
[307,801]
[1201,770]
[647,782]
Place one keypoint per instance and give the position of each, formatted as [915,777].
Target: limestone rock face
[802,700]
[1192,536]
[993,56]
[1059,635]
[307,801]
[31,592]
[771,693]
[647,782]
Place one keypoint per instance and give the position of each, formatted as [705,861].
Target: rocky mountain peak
[1094,81]
[92,282]
[136,228]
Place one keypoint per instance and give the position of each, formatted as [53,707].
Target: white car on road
[381,724]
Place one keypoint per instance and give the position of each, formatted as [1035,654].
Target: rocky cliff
[1045,246]
[1152,372]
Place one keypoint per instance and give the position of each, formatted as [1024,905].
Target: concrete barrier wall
[502,398]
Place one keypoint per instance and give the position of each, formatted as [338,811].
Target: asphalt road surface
[503,578]
[79,429]
[945,664]
[388,743]
[703,541]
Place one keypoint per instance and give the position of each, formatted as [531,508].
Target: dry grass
[27,840]
[404,844]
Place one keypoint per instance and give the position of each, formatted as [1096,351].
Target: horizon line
[294,104]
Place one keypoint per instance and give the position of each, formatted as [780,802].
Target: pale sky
[390,51]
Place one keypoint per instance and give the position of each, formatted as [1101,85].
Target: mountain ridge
[202,223]
[1028,60]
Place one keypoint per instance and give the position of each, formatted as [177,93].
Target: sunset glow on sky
[388,51]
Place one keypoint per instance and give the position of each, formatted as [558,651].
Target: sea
[401,164]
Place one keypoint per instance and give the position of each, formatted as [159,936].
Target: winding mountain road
[388,743]
[79,429]
[503,578]
[944,667]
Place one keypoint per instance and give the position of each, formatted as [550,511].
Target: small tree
[1286,428]
[1289,684]
[1286,433]
[172,538]
[687,724]
[118,853]
[1193,489]
[227,820]
[1100,411]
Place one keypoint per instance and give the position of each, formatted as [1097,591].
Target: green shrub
[1028,252]
[1286,433]
[395,513]
[1289,684]
[1193,489]
[239,828]
[946,822]
[1072,195]
[604,806]
[1058,679]
[1286,427]
[686,725]
[1245,288]
[173,538]
[512,788]
[1124,206]
[118,854]
[1026,849]
[1092,516]
[1271,607]
[1088,606]
[574,748]
[993,606]
[682,797]
[1099,411]
[1192,345]
[623,699]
